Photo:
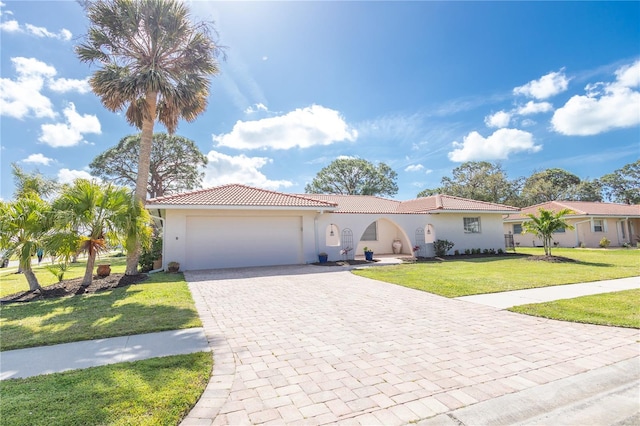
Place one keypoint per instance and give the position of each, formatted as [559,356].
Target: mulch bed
[72,287]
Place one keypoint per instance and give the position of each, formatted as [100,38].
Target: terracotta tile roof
[581,208]
[442,202]
[245,196]
[358,203]
[238,195]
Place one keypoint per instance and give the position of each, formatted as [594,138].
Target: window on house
[517,228]
[598,225]
[471,225]
[559,231]
[371,233]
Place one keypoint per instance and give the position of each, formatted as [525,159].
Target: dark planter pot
[368,255]
[103,270]
[323,258]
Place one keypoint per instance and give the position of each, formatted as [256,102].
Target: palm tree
[155,62]
[24,225]
[545,225]
[101,214]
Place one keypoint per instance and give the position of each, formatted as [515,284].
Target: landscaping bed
[73,287]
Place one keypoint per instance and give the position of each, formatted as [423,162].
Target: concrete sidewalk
[507,299]
[91,353]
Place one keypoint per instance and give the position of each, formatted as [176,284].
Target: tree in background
[623,185]
[155,63]
[92,214]
[587,190]
[545,224]
[549,185]
[174,166]
[32,183]
[478,180]
[354,176]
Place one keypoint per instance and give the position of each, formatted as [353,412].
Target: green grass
[620,309]
[11,283]
[158,391]
[460,276]
[163,302]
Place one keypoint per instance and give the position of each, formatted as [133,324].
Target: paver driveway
[314,345]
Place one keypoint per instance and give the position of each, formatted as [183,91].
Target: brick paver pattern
[298,345]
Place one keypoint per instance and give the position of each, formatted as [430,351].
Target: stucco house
[619,223]
[238,226]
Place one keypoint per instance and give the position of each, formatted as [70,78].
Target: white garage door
[229,242]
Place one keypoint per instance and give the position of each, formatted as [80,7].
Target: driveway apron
[313,345]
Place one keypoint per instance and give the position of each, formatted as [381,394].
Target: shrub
[58,270]
[151,254]
[604,242]
[467,251]
[500,251]
[456,252]
[441,247]
[485,251]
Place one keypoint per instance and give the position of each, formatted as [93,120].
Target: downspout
[575,226]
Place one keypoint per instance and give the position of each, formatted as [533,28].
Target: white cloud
[69,176]
[21,97]
[414,168]
[63,85]
[606,106]
[38,159]
[532,107]
[303,127]
[547,86]
[71,132]
[255,108]
[13,26]
[497,146]
[499,119]
[224,169]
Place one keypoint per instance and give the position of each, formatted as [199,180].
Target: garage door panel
[226,242]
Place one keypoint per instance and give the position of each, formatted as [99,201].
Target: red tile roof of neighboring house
[238,196]
[581,208]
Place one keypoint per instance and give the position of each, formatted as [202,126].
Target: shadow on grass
[154,391]
[105,314]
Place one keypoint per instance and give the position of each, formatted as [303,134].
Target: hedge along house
[240,226]
[592,221]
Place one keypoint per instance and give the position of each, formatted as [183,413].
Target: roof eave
[237,207]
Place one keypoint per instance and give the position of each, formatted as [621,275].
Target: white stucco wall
[445,226]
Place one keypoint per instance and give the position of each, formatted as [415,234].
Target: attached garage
[235,226]
[230,242]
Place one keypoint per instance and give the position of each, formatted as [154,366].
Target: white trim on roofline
[236,207]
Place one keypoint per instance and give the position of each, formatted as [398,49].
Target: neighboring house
[619,223]
[238,226]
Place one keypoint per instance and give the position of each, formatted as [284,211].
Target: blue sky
[420,86]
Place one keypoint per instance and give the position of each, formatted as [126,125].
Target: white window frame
[603,226]
[371,233]
[472,225]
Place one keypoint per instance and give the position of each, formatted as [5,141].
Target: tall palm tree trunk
[142,180]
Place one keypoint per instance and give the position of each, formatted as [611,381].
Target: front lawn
[158,391]
[620,309]
[460,276]
[163,302]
